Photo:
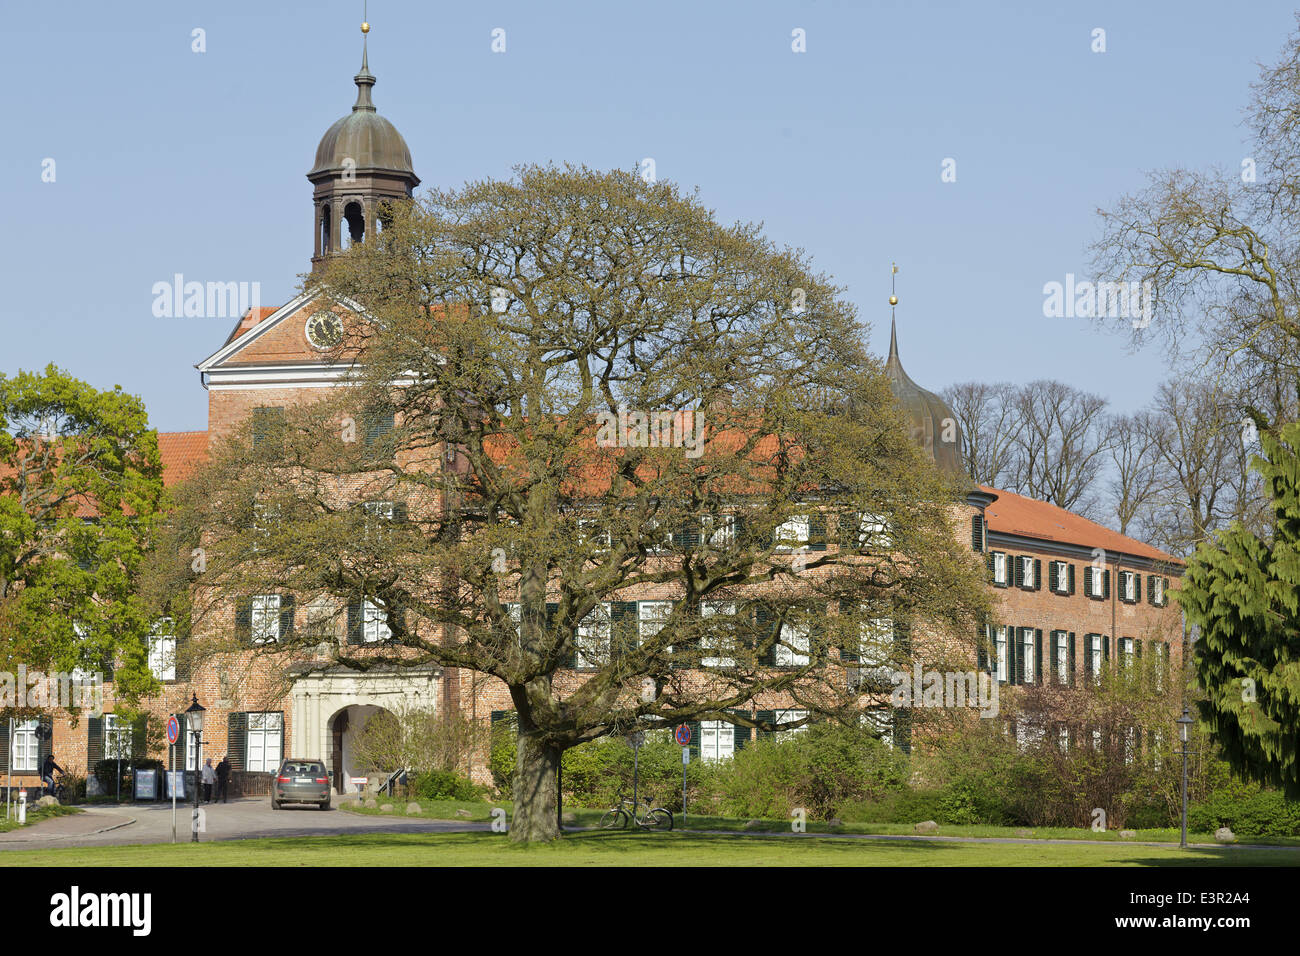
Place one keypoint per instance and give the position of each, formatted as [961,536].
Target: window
[792,533]
[650,618]
[1027,563]
[266,519]
[1097,578]
[117,738]
[590,533]
[1157,748]
[162,651]
[1095,656]
[374,624]
[1061,571]
[23,747]
[593,638]
[719,531]
[1096,740]
[1027,655]
[718,642]
[1002,654]
[265,618]
[1062,643]
[788,716]
[1130,744]
[265,737]
[1000,576]
[1161,650]
[717,740]
[1128,587]
[880,720]
[1156,588]
[1063,738]
[792,651]
[873,531]
[878,643]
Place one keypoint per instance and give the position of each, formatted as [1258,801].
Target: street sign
[686,756]
[636,738]
[683,734]
[173,729]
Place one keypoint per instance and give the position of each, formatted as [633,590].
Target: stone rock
[1128,834]
[386,808]
[464,813]
[1224,835]
[47,801]
[1024,833]
[926,826]
[370,803]
[412,807]
[754,825]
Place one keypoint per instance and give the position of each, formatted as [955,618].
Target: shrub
[443,785]
[1247,810]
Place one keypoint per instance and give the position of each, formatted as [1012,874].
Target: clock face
[324,330]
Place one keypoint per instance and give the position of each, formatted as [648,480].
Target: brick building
[1072,596]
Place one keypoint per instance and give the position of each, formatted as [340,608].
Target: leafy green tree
[1242,591]
[509,329]
[80,492]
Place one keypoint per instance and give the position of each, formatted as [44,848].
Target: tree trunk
[536,794]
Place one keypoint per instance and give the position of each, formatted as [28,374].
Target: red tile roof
[181,452]
[1016,514]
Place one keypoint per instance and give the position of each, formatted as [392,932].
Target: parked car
[301,781]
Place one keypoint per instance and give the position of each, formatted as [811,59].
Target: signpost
[173,734]
[683,736]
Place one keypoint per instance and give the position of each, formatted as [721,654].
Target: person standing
[209,778]
[223,779]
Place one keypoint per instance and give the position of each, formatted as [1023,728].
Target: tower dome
[362,162]
[930,422]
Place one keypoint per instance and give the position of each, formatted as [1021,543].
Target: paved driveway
[237,820]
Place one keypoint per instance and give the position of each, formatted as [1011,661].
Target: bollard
[22,807]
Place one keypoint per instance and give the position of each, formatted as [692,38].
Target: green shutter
[237,739]
[1038,574]
[817,531]
[1105,584]
[356,620]
[903,729]
[740,735]
[1038,655]
[286,616]
[976,533]
[764,716]
[1052,576]
[1070,576]
[400,514]
[1015,666]
[44,739]
[1087,580]
[94,743]
[244,619]
[1017,570]
[5,724]
[623,628]
[769,628]
[1071,656]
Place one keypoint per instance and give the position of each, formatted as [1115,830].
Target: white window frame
[1158,591]
[1001,645]
[374,624]
[1098,660]
[714,642]
[1000,566]
[873,529]
[24,747]
[117,739]
[792,534]
[1161,652]
[1129,586]
[1063,738]
[1098,581]
[651,616]
[1062,641]
[260,608]
[793,649]
[264,728]
[876,636]
[1027,571]
[1027,655]
[717,740]
[718,531]
[880,719]
[1096,740]
[1062,577]
[162,651]
[788,714]
[600,541]
[593,638]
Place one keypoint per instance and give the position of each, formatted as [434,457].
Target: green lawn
[34,815]
[482,813]
[633,849]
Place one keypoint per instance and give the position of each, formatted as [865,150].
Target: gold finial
[893,299]
[365,27]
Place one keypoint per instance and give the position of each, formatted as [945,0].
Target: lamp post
[1184,725]
[194,722]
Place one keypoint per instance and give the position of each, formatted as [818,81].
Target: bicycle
[57,791]
[625,811]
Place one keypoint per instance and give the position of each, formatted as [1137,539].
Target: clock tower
[362,164]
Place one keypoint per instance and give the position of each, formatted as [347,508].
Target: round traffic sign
[173,729]
[683,734]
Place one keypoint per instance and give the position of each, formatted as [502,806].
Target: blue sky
[169,161]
